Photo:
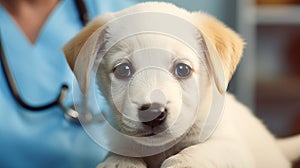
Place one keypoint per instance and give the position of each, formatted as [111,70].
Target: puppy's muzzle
[152,114]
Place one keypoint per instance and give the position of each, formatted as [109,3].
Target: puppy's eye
[182,70]
[123,71]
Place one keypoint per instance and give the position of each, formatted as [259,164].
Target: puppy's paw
[193,158]
[116,161]
[178,161]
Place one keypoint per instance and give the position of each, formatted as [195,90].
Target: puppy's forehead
[151,49]
[128,34]
[151,22]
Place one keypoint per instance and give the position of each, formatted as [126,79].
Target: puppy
[161,89]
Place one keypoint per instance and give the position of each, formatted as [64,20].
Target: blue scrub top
[44,139]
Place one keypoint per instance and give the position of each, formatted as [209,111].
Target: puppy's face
[153,82]
[156,85]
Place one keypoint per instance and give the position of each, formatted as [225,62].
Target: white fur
[239,141]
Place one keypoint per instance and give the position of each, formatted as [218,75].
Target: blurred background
[268,77]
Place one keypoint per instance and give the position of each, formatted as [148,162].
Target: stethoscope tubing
[14,90]
[70,114]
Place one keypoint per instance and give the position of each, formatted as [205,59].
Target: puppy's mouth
[152,131]
[143,130]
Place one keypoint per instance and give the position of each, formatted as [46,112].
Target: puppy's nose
[152,114]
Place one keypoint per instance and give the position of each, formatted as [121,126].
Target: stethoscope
[69,112]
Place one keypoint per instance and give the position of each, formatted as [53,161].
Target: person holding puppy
[33,129]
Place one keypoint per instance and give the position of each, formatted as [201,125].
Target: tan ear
[225,48]
[73,47]
[81,49]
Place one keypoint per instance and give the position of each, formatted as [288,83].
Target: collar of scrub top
[70,113]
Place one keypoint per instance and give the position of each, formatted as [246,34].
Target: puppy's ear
[79,57]
[73,47]
[225,48]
